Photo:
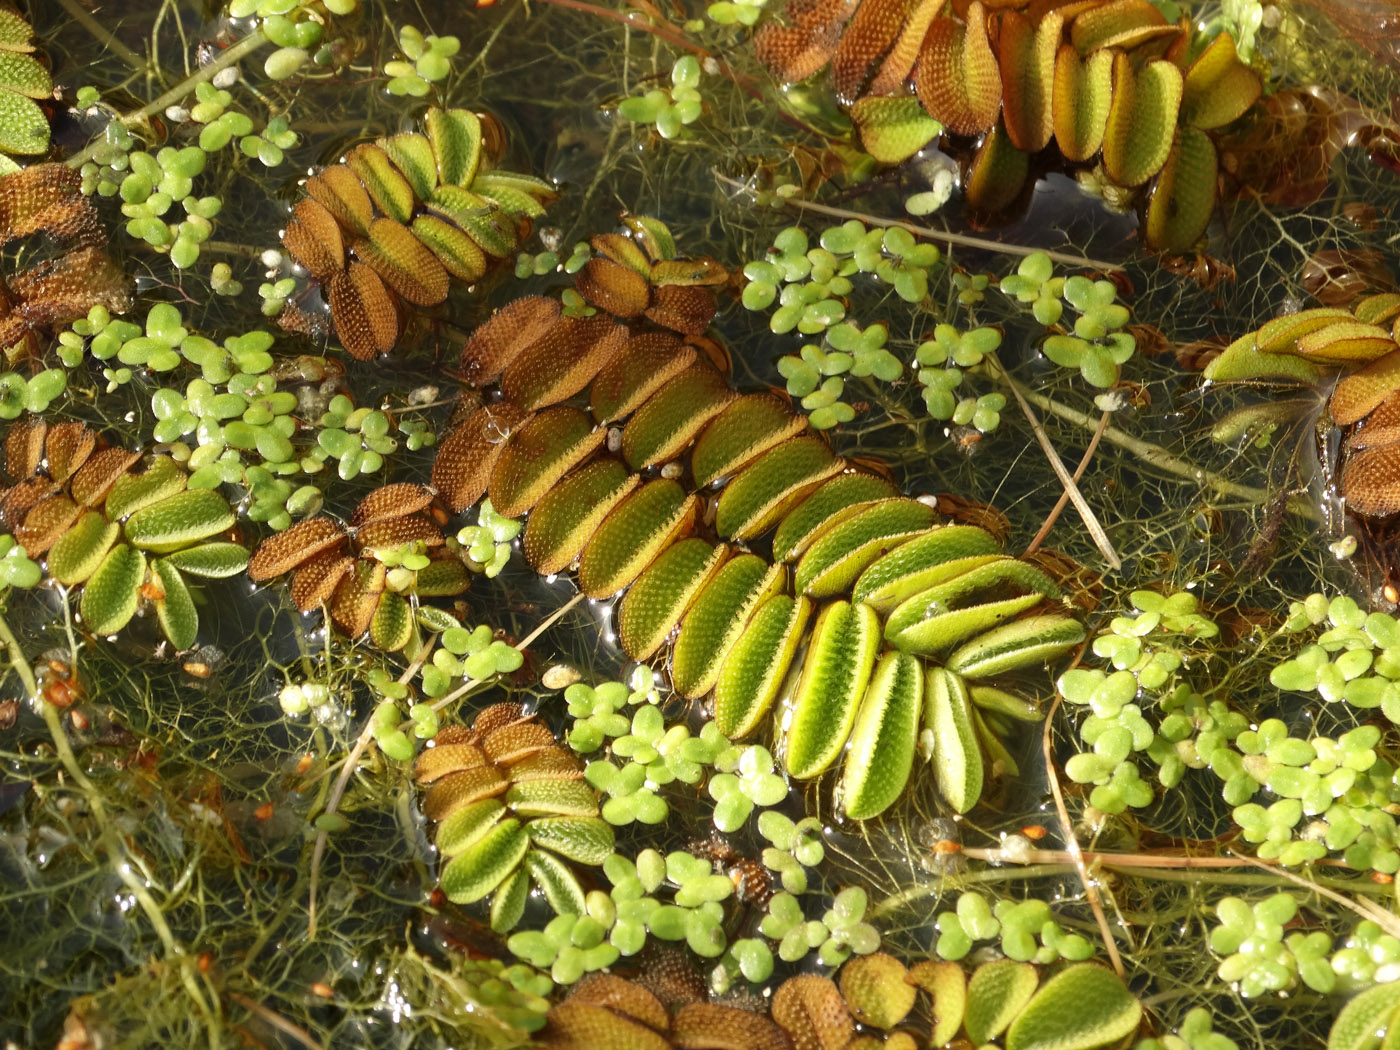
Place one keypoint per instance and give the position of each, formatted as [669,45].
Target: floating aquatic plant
[412,211]
[45,199]
[512,809]
[24,129]
[896,610]
[1114,82]
[122,538]
[365,572]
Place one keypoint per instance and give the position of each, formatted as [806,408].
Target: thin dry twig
[1061,503]
[272,1017]
[1086,513]
[1076,855]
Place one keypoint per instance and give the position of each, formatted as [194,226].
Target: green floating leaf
[112,593]
[1082,1007]
[23,127]
[474,873]
[179,618]
[183,519]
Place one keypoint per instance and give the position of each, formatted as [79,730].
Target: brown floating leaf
[16,500]
[553,763]
[24,447]
[354,601]
[364,311]
[284,551]
[957,76]
[1361,392]
[1123,24]
[462,788]
[489,719]
[467,456]
[337,189]
[872,31]
[67,448]
[564,360]
[46,521]
[437,761]
[1371,481]
[95,477]
[810,1009]
[41,197]
[1338,277]
[899,63]
[796,52]
[404,263]
[707,1026]
[623,997]
[583,1026]
[510,744]
[682,308]
[495,344]
[1026,57]
[318,577]
[395,532]
[391,501]
[643,365]
[617,289]
[313,238]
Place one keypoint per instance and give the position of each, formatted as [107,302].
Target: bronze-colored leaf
[564,360]
[495,344]
[468,455]
[46,521]
[17,499]
[615,288]
[1026,58]
[391,533]
[868,38]
[1358,395]
[93,480]
[520,740]
[583,1026]
[1123,24]
[709,1026]
[623,997]
[997,175]
[622,250]
[354,601]
[443,758]
[643,365]
[284,551]
[24,447]
[391,501]
[687,309]
[462,788]
[314,240]
[318,577]
[67,448]
[364,311]
[797,51]
[489,719]
[340,192]
[813,1014]
[899,63]
[404,263]
[1370,481]
[957,77]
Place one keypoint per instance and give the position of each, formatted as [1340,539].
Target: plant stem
[228,57]
[84,18]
